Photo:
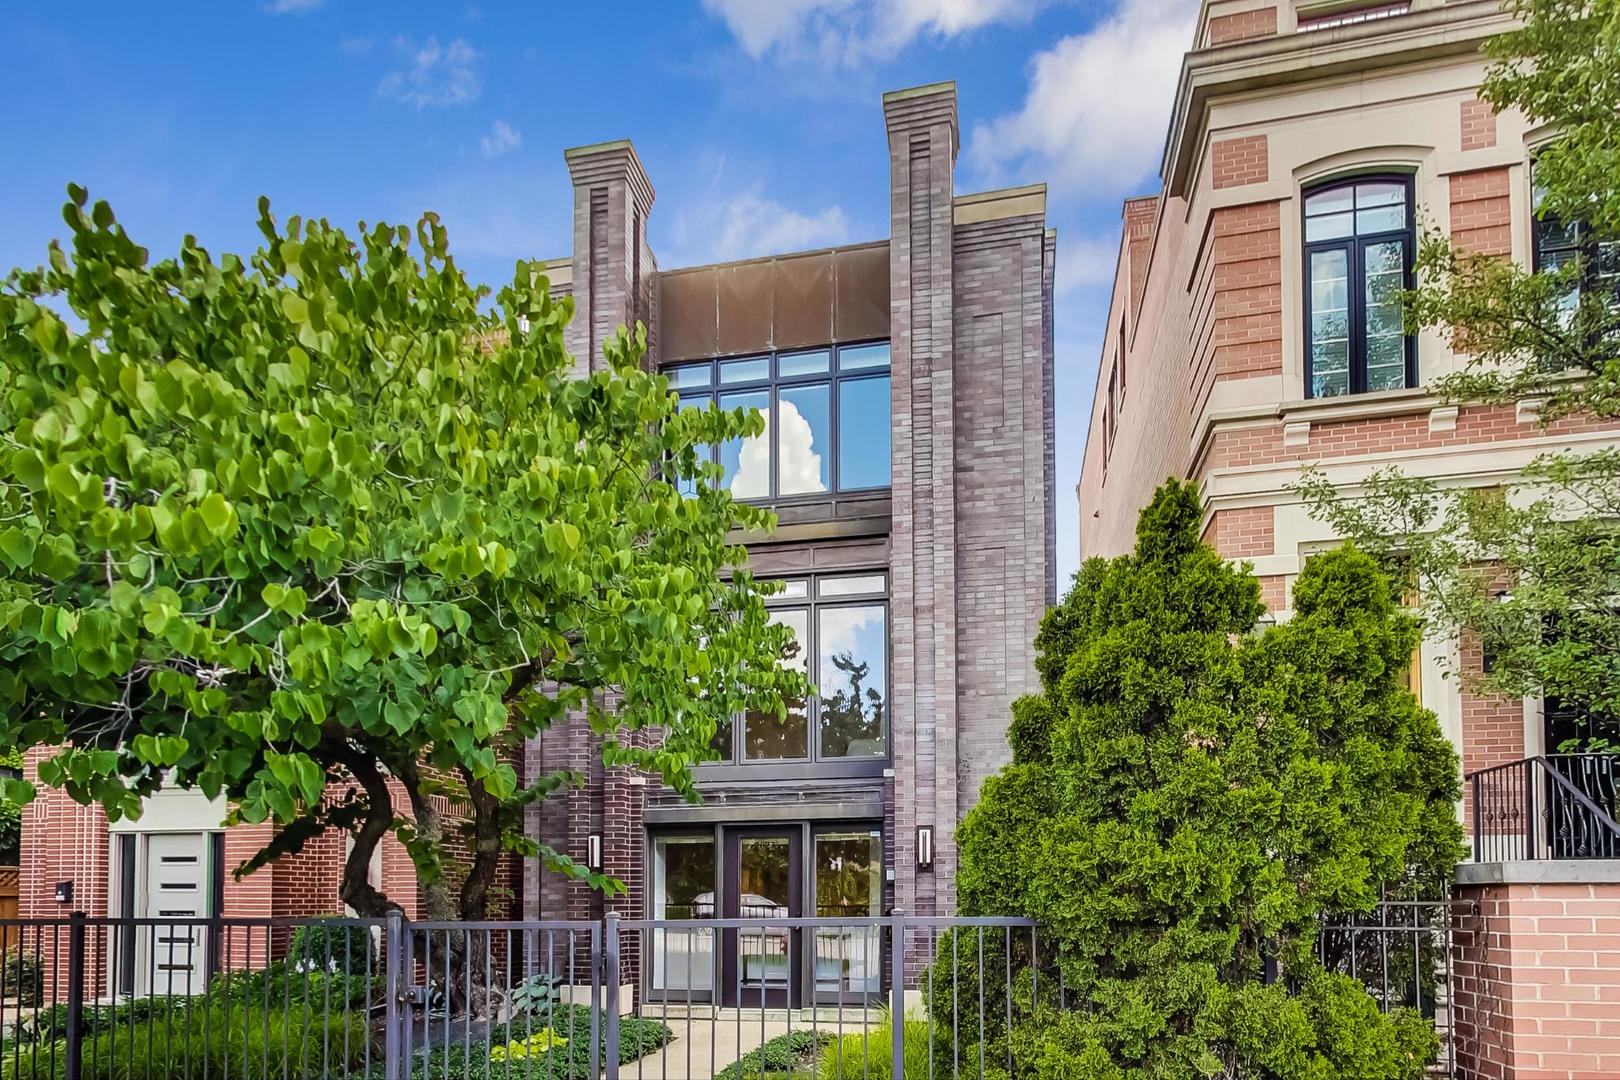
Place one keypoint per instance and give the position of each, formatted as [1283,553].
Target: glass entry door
[848,885]
[763,882]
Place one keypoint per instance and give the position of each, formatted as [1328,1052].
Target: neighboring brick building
[1251,333]
[909,386]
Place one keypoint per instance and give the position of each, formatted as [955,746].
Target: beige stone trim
[1027,201]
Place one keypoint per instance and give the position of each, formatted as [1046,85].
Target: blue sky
[759,122]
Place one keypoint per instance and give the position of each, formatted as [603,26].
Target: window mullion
[1356,309]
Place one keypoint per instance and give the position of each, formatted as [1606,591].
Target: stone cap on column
[604,162]
[920,107]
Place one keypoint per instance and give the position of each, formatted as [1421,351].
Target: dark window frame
[739,766]
[1354,246]
[1582,242]
[833,378]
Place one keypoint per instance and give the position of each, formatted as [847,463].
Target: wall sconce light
[64,892]
[593,851]
[925,847]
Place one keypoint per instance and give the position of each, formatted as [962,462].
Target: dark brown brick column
[1003,445]
[923,140]
[613,267]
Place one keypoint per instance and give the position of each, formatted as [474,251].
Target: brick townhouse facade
[908,386]
[1253,329]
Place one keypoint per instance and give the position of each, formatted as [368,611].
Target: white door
[175,960]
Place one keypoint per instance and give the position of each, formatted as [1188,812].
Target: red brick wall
[1478,122]
[1235,162]
[1243,533]
[1274,591]
[1243,24]
[1247,284]
[1139,217]
[1481,221]
[1537,982]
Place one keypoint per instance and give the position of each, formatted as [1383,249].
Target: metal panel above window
[826,419]
[1357,262]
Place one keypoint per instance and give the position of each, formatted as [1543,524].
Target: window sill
[771,772]
[1377,403]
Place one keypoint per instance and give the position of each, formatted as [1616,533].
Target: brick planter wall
[1537,971]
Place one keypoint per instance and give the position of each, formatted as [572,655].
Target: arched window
[1358,259]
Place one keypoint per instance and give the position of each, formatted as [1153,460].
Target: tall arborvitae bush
[1190,795]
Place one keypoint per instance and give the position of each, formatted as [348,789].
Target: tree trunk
[437,902]
[357,890]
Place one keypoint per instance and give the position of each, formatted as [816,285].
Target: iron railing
[1560,806]
[1402,953]
[85,998]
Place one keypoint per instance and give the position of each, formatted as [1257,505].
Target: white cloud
[502,138]
[749,225]
[1098,102]
[433,74]
[292,7]
[800,468]
[1088,262]
[848,31]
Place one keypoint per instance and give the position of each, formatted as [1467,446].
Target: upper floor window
[1358,261]
[826,419]
[1559,243]
[841,642]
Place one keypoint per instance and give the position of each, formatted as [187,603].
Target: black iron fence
[1561,806]
[675,999]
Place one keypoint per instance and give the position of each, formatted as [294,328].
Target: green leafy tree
[309,527]
[1530,569]
[1189,798]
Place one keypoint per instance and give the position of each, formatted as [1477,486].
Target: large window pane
[767,736]
[683,888]
[764,886]
[849,885]
[863,434]
[748,461]
[853,680]
[1330,326]
[804,439]
[1385,272]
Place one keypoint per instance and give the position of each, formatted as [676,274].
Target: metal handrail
[1509,802]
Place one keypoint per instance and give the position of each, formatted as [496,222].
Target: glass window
[853,680]
[824,432]
[745,371]
[748,461]
[768,736]
[683,869]
[849,885]
[1358,262]
[792,365]
[855,585]
[863,434]
[1559,243]
[804,448]
[841,645]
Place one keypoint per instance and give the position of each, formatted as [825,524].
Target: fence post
[72,1056]
[897,989]
[610,994]
[1530,810]
[394,979]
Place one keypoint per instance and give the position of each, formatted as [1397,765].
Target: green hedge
[212,1039]
[786,1055]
